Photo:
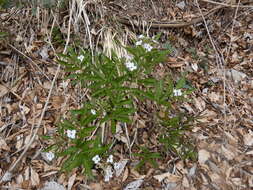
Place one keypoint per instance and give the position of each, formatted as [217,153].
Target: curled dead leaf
[203,156]
[171,177]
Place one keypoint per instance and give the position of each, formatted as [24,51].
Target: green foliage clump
[117,85]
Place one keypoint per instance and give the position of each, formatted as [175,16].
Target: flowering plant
[116,85]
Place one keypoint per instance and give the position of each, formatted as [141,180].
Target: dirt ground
[212,41]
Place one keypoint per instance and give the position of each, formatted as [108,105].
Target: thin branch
[13,166]
[221,62]
[230,5]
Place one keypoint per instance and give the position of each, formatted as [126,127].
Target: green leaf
[3,34]
[159,90]
[88,165]
[181,83]
[68,151]
[45,137]
[86,131]
[147,81]
[73,162]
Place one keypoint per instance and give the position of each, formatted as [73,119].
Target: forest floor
[215,49]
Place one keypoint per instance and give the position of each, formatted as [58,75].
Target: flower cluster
[177,92]
[110,166]
[71,134]
[80,57]
[131,66]
[96,159]
[146,46]
[93,112]
[110,159]
[48,156]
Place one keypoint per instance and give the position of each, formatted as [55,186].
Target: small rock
[235,75]
[44,53]
[52,185]
[6,177]
[181,5]
[134,185]
[215,79]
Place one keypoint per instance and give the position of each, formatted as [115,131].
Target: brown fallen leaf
[3,90]
[171,177]
[125,175]
[71,181]
[35,180]
[3,145]
[203,156]
[96,186]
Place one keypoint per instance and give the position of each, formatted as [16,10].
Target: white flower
[108,173]
[141,36]
[131,66]
[64,84]
[153,39]
[80,57]
[96,159]
[110,159]
[129,57]
[147,47]
[138,43]
[71,134]
[194,67]
[50,156]
[177,92]
[93,112]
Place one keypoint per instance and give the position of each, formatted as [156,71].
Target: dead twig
[220,61]
[232,5]
[21,53]
[169,24]
[16,163]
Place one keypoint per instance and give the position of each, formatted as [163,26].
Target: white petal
[138,43]
[141,36]
[110,159]
[50,156]
[96,159]
[71,134]
[81,57]
[93,112]
[177,92]
[147,47]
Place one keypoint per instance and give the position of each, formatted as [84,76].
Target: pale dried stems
[228,5]
[111,39]
[110,36]
[230,86]
[220,63]
[16,163]
[232,31]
